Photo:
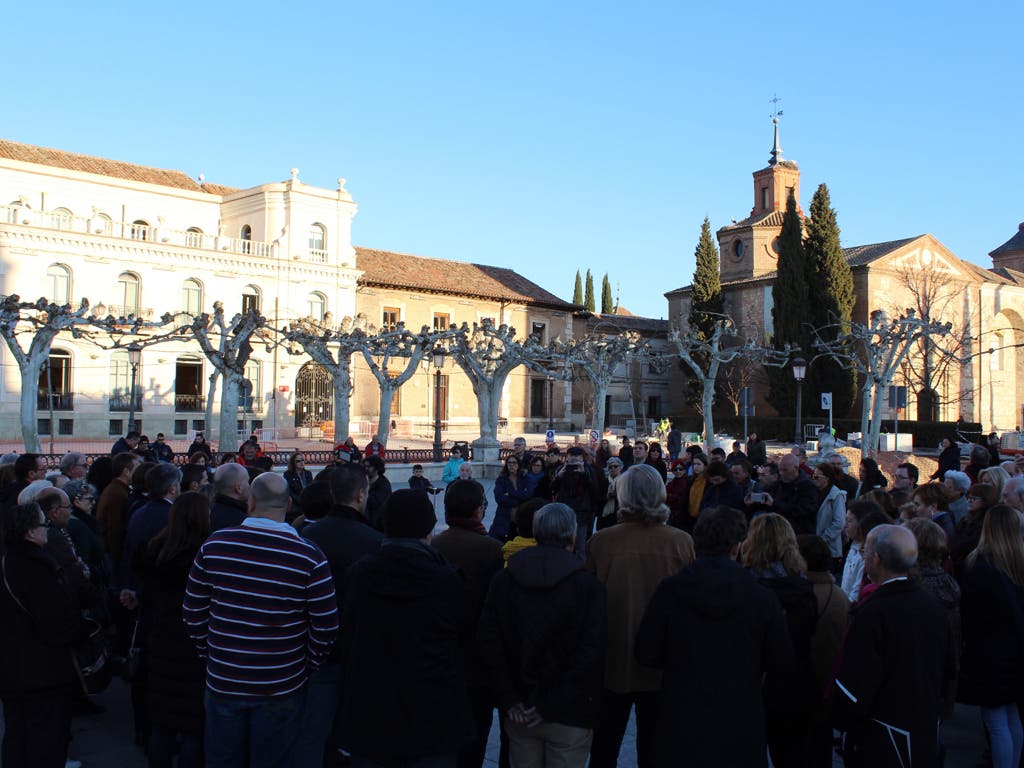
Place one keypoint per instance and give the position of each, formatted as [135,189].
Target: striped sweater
[260,608]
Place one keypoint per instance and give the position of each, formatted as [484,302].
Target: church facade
[982,376]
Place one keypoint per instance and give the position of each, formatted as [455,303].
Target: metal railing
[123,402]
[193,403]
[58,401]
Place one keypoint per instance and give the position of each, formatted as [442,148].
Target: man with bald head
[260,608]
[230,496]
[1013,493]
[794,496]
[897,661]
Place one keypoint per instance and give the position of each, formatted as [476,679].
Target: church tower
[749,248]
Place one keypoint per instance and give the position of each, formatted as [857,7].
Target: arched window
[194,237]
[140,230]
[316,305]
[18,213]
[129,292]
[250,299]
[245,235]
[58,284]
[192,296]
[318,242]
[62,218]
[102,224]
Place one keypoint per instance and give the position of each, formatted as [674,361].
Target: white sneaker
[72,763]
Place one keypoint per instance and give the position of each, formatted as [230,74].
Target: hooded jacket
[543,635]
[717,634]
[403,692]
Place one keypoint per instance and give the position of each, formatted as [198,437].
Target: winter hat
[409,514]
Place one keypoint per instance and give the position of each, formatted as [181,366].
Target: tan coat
[631,559]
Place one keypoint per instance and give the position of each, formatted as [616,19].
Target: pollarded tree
[876,350]
[38,323]
[332,347]
[607,302]
[704,356]
[790,300]
[382,353]
[577,291]
[226,344]
[487,354]
[829,273]
[588,295]
[598,356]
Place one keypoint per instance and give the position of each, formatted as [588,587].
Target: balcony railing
[58,401]
[124,230]
[249,405]
[189,403]
[318,255]
[123,402]
[117,310]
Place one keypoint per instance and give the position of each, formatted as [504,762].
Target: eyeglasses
[974,498]
[86,498]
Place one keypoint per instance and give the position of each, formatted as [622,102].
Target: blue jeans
[1005,732]
[259,732]
[317,726]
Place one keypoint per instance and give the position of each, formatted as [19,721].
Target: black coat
[403,694]
[757,452]
[728,494]
[345,537]
[226,512]
[948,459]
[376,500]
[35,643]
[992,618]
[797,502]
[175,676]
[578,487]
[717,634]
[543,635]
[897,661]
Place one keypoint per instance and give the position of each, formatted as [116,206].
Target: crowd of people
[744,606]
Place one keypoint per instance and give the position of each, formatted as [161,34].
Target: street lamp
[439,356]
[799,372]
[551,402]
[134,358]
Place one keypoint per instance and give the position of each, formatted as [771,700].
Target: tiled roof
[386,269]
[769,219]
[57,158]
[643,325]
[1014,245]
[859,255]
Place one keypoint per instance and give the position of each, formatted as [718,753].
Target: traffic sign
[549,436]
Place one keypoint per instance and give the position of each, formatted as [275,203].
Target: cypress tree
[706,302]
[829,274]
[577,291]
[790,301]
[607,304]
[588,296]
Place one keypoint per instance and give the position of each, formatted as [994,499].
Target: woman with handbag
[37,673]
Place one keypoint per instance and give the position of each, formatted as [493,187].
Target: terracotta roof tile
[1014,245]
[642,325]
[769,219]
[865,254]
[387,269]
[57,158]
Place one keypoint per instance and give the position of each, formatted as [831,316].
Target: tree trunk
[865,420]
[342,398]
[29,404]
[708,402]
[229,395]
[488,397]
[876,416]
[600,395]
[208,415]
[387,392]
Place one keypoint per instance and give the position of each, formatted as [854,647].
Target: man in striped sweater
[260,607]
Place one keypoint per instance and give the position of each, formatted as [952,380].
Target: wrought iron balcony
[190,403]
[121,401]
[58,401]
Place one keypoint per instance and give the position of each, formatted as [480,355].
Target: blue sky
[549,136]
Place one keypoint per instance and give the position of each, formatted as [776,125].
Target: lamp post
[439,356]
[134,358]
[799,371]
[551,402]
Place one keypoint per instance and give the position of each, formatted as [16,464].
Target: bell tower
[749,248]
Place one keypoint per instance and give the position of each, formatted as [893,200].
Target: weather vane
[775,102]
